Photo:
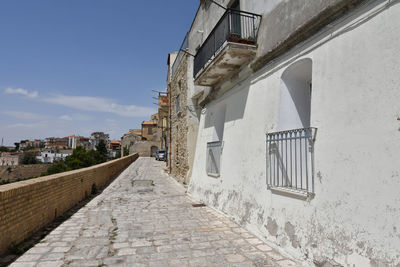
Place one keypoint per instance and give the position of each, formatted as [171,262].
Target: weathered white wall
[354,216]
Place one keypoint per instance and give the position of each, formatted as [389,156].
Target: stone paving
[144,218]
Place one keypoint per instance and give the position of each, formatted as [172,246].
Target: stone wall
[22,172]
[128,140]
[178,127]
[143,148]
[28,206]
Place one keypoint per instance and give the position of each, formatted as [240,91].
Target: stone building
[137,144]
[95,138]
[298,137]
[183,114]
[9,159]
[128,140]
[56,142]
[114,148]
[149,129]
[163,109]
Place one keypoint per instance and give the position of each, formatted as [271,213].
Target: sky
[78,66]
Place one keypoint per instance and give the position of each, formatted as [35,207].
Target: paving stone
[29,257]
[141,226]
[38,250]
[50,264]
[52,256]
[23,264]
[60,249]
[274,255]
[287,263]
[264,247]
[235,258]
[126,251]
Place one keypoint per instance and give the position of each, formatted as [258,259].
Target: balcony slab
[226,63]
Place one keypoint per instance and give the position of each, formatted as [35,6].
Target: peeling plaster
[290,231]
[272,227]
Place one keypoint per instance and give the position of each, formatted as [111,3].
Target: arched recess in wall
[295,96]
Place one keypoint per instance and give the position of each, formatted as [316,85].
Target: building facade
[293,95]
[95,138]
[149,129]
[9,159]
[183,113]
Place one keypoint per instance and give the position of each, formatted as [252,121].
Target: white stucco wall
[354,216]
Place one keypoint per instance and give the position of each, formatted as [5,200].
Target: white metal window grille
[213,158]
[290,160]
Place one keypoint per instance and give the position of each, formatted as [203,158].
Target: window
[214,148]
[213,158]
[150,130]
[178,103]
[290,158]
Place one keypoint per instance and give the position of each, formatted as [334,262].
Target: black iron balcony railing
[234,26]
[290,160]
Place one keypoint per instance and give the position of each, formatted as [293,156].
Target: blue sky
[78,66]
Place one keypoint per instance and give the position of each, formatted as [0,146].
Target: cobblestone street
[144,218]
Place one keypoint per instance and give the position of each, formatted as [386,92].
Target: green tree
[79,159]
[57,168]
[96,156]
[29,158]
[3,149]
[102,149]
[126,151]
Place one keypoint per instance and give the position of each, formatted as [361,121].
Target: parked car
[161,155]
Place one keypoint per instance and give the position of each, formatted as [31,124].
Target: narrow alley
[144,218]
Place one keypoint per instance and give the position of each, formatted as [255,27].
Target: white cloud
[100,104]
[20,91]
[27,125]
[81,117]
[24,115]
[66,118]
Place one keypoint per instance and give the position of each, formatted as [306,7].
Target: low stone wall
[27,206]
[22,172]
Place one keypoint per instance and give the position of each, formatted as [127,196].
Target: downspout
[169,129]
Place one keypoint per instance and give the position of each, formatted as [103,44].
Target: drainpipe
[169,130]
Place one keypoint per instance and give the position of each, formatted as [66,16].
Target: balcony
[231,45]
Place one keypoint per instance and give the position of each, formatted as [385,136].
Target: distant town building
[136,131]
[55,142]
[50,156]
[9,159]
[149,128]
[114,148]
[75,140]
[95,138]
[38,143]
[128,140]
